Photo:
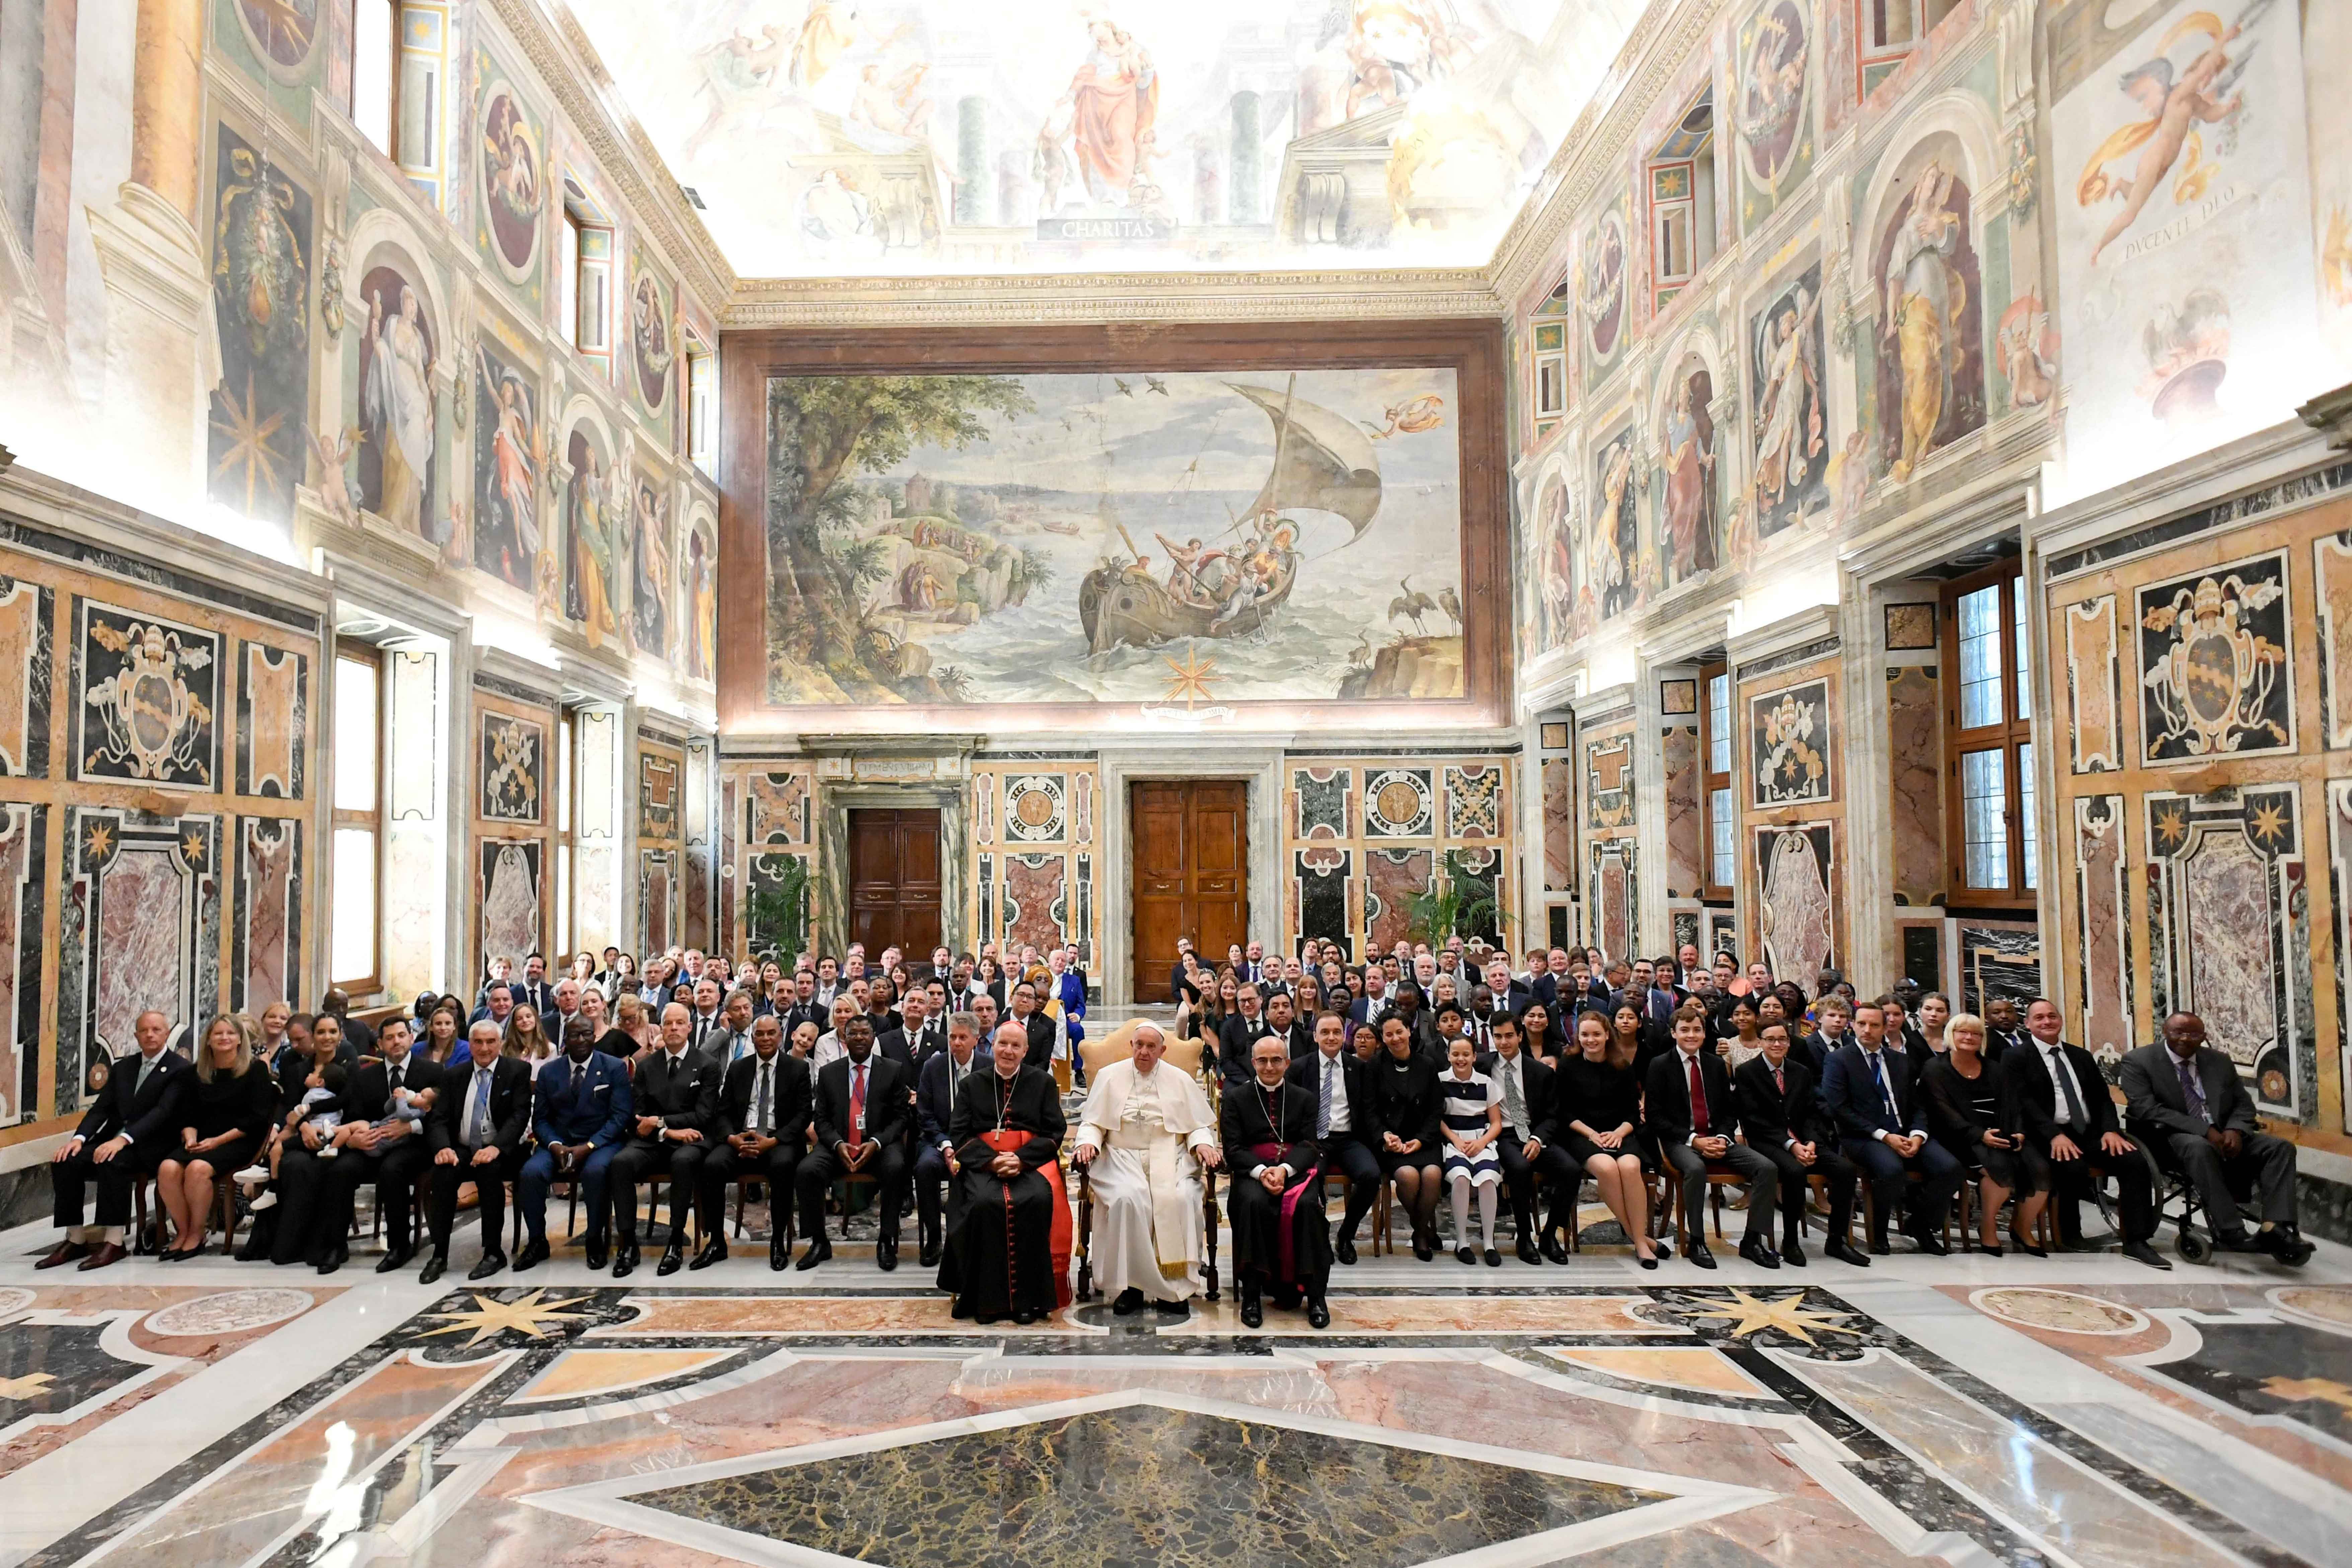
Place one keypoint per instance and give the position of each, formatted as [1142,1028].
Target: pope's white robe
[1147,1185]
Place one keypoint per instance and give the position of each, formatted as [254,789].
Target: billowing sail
[1321,460]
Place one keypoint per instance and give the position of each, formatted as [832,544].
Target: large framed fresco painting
[1134,537]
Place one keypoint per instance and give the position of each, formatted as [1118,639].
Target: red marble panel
[2106,980]
[1560,824]
[266,878]
[1393,878]
[1685,828]
[1032,890]
[1915,733]
[140,945]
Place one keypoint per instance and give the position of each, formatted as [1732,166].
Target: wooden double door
[894,882]
[1191,877]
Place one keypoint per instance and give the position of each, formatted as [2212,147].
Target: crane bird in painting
[1412,605]
[1154,384]
[1450,602]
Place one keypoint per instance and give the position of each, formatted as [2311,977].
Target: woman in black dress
[1405,1105]
[1599,1092]
[1973,1113]
[228,1117]
[1540,1033]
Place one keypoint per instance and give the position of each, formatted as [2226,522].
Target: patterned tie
[2193,1093]
[1698,1098]
[479,1110]
[857,1104]
[1514,1106]
[1323,1099]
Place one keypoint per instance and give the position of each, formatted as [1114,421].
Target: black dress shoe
[1253,1314]
[1988,1248]
[1554,1248]
[2026,1249]
[1172,1311]
[1663,1249]
[929,1256]
[624,1261]
[1464,1255]
[1843,1252]
[327,1265]
[1931,1244]
[1025,1316]
[673,1257]
[1493,1259]
[432,1268]
[1129,1302]
[1698,1254]
[598,1254]
[1756,1251]
[2141,1252]
[1318,1313]
[886,1254]
[1649,1262]
[1344,1251]
[1793,1253]
[713,1252]
[395,1260]
[779,1255]
[1528,1253]
[533,1253]
[490,1264]
[1878,1247]
[2291,1249]
[1422,1249]
[818,1251]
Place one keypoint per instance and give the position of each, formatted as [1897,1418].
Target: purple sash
[1286,1250]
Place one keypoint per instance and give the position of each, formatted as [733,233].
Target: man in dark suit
[1530,1127]
[1266,1125]
[479,1120]
[916,1035]
[762,1129]
[1238,1033]
[1346,1125]
[1867,1090]
[534,987]
[580,1104]
[2188,1101]
[862,1111]
[128,1131]
[675,1105]
[804,1007]
[1692,1115]
[731,1040]
[1281,1021]
[2067,1116]
[1510,995]
[1039,1027]
[1176,971]
[1781,1118]
[939,1080]
[386,1102]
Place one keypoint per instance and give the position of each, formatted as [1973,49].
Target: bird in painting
[1450,602]
[1412,605]
[1153,383]
[1124,390]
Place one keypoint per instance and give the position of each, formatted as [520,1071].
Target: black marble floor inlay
[1143,1485]
[2292,1370]
[49,1367]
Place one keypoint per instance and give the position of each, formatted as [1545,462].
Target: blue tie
[1885,1095]
[481,1108]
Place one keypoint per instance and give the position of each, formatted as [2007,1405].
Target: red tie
[1780,1083]
[1698,1098]
[857,1104]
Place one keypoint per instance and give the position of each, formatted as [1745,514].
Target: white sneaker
[267,1200]
[252,1176]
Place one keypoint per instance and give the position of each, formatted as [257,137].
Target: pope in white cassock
[1148,1133]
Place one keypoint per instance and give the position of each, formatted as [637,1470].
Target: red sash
[1060,1237]
[1286,1246]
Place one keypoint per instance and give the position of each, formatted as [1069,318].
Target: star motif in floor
[492,1317]
[1746,1314]
[2295,1389]
[30,1386]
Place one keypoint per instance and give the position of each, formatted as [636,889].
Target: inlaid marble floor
[2078,1412]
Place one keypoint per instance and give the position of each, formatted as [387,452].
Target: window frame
[389,147]
[1693,209]
[1710,780]
[567,828]
[589,268]
[343,819]
[1547,355]
[698,373]
[2012,735]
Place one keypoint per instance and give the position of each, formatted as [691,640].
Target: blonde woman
[228,1116]
[526,1040]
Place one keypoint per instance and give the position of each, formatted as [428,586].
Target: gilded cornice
[1112,297]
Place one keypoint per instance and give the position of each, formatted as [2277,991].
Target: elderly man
[1141,1123]
[2186,1099]
[1282,1242]
[1009,1249]
[130,1125]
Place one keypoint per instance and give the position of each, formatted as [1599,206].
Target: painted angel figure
[1789,404]
[2177,102]
[514,455]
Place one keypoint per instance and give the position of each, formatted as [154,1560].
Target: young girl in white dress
[1471,1114]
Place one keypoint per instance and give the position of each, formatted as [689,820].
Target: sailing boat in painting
[1322,462]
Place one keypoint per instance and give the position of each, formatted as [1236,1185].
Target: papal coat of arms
[152,723]
[2213,661]
[1790,733]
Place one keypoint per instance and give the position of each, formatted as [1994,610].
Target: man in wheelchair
[2186,1102]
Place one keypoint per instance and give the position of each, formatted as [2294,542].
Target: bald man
[134,1122]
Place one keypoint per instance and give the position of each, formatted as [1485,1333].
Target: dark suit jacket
[1850,1094]
[934,1104]
[1666,1098]
[2038,1112]
[1770,1117]
[684,1096]
[368,1096]
[899,1049]
[888,1087]
[1029,1104]
[1246,1127]
[1236,1036]
[1041,1041]
[1300,1039]
[539,993]
[153,1115]
[2153,1103]
[509,1120]
[1363,1117]
[799,1013]
[558,1114]
[793,1097]
[1535,1078]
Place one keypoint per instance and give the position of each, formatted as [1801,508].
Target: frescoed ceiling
[945,138]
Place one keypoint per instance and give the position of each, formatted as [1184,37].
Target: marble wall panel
[1686,826]
[778,806]
[2104,957]
[1791,739]
[1400,803]
[701,870]
[1998,958]
[24,899]
[1321,799]
[1794,908]
[146,699]
[2214,662]
[660,782]
[2339,861]
[1915,738]
[1035,907]
[656,900]
[1476,802]
[1392,878]
[1320,879]
[2095,685]
[2332,579]
[27,675]
[507,896]
[265,948]
[1560,824]
[1609,783]
[141,930]
[413,859]
[512,768]
[1037,808]
[1614,893]
[273,718]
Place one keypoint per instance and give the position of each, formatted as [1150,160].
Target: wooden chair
[1185,1055]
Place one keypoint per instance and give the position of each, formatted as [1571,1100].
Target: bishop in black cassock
[1001,1254]
[1282,1242]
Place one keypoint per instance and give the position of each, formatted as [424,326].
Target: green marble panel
[1147,1485]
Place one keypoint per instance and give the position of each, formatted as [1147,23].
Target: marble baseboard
[2324,1207]
[25,1196]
